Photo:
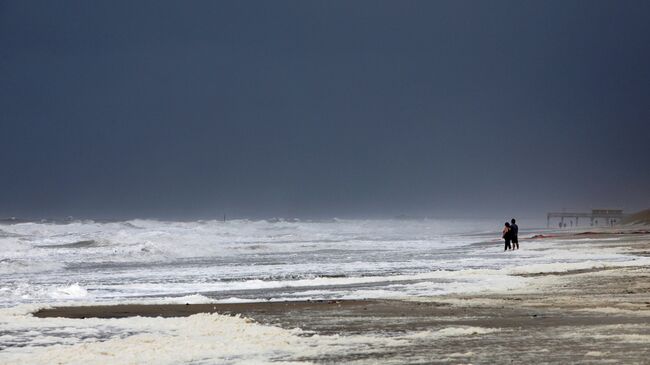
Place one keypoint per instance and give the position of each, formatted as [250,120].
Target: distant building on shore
[597,217]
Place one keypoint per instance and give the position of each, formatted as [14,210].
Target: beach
[584,312]
[597,315]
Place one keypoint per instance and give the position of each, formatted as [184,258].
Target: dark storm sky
[118,109]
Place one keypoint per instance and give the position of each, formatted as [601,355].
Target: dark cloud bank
[119,109]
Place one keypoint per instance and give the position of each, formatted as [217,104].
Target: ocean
[149,261]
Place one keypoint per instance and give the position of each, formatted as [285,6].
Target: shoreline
[597,315]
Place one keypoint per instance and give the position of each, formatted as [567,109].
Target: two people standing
[510,234]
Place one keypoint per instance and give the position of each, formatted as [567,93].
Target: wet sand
[595,316]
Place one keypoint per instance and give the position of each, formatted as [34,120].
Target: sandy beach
[598,315]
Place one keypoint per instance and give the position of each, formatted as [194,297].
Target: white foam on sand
[451,332]
[201,338]
[196,338]
[614,311]
[634,333]
[571,266]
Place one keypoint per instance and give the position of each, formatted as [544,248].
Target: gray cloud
[298,108]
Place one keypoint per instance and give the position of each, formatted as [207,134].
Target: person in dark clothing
[514,232]
[506,236]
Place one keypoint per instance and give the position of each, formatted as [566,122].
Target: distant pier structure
[598,217]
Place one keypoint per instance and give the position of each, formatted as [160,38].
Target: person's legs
[507,245]
[515,243]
